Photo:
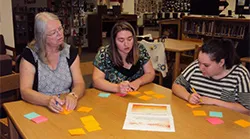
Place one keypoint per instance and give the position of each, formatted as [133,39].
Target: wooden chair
[4,48]
[87,68]
[194,54]
[9,90]
[245,60]
[196,51]
[87,71]
[156,51]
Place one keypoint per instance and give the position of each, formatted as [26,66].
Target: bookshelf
[226,27]
[202,27]
[23,29]
[73,14]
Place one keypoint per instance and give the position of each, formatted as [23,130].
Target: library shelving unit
[73,15]
[226,27]
[23,29]
[203,27]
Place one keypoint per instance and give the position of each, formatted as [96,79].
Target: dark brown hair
[218,49]
[133,55]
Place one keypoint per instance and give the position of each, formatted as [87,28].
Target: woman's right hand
[194,98]
[124,87]
[55,104]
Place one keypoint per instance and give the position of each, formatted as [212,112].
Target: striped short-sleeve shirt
[235,87]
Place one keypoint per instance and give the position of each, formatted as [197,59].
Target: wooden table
[111,112]
[179,46]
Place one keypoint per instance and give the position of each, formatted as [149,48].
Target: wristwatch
[74,95]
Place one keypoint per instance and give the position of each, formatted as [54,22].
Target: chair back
[147,37]
[87,68]
[157,54]
[9,90]
[2,45]
[9,82]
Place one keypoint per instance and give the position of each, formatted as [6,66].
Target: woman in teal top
[124,65]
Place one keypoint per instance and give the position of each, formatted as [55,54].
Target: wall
[128,6]
[231,6]
[6,25]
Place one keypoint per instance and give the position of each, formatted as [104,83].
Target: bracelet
[74,95]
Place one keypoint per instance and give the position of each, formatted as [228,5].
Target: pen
[131,88]
[58,95]
[194,91]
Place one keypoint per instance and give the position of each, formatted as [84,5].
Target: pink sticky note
[120,94]
[39,119]
[215,120]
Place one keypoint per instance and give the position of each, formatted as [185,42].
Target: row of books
[230,30]
[212,28]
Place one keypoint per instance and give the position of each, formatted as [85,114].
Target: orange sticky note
[199,113]
[149,92]
[134,93]
[65,111]
[193,106]
[84,109]
[159,96]
[242,123]
[76,132]
[91,128]
[144,97]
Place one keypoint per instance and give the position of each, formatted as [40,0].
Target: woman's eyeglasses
[55,32]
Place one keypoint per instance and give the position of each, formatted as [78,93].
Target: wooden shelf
[225,27]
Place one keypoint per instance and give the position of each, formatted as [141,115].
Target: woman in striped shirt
[216,78]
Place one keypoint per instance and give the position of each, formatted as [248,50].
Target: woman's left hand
[70,102]
[135,84]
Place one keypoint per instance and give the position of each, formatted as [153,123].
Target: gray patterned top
[58,81]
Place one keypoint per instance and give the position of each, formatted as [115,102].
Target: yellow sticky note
[92,128]
[144,97]
[65,111]
[199,113]
[193,106]
[76,131]
[159,96]
[149,92]
[84,109]
[91,123]
[89,120]
[134,93]
[242,123]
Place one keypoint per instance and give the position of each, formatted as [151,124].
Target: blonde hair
[41,21]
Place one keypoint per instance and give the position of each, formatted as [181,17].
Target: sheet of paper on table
[149,117]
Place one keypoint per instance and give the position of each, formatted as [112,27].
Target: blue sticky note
[215,114]
[31,115]
[104,94]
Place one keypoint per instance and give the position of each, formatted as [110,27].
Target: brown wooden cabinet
[97,24]
[170,28]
